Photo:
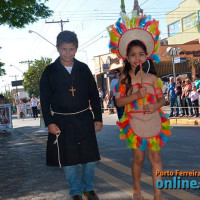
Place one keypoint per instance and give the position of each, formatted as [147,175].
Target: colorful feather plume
[125,23]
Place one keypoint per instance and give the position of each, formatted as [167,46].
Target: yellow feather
[160,83]
[151,28]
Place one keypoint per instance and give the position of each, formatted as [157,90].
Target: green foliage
[8,97]
[2,71]
[18,13]
[33,75]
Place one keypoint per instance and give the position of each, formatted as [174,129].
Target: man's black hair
[197,75]
[67,37]
[117,70]
[1,97]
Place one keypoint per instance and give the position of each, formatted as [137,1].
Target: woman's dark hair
[127,65]
[67,37]
[152,69]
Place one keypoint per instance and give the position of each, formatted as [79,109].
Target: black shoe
[91,195]
[77,197]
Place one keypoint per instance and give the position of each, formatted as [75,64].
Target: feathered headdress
[127,29]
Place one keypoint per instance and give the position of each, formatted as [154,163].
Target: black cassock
[77,141]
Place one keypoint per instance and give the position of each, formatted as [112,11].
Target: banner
[190,21]
[174,28]
[5,117]
[21,111]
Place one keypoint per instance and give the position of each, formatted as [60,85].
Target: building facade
[104,66]
[183,23]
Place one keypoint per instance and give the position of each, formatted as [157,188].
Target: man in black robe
[67,87]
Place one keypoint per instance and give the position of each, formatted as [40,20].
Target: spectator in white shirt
[34,102]
[194,95]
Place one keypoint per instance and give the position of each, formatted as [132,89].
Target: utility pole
[26,61]
[123,6]
[137,7]
[61,23]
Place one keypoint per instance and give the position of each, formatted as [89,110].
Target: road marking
[118,183]
[180,194]
[33,138]
[111,180]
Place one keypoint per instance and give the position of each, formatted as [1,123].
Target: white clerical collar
[68,68]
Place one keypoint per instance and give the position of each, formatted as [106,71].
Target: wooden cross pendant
[72,90]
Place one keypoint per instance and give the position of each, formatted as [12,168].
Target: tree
[32,76]
[18,13]
[2,71]
[8,97]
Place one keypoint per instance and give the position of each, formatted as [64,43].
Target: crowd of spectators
[183,96]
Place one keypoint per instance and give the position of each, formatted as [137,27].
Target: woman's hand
[141,93]
[149,108]
[53,128]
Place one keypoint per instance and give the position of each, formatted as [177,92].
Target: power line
[144,3]
[83,19]
[117,10]
[92,43]
[91,39]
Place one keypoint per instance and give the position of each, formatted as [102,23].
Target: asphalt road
[24,175]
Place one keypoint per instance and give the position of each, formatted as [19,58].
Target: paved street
[24,175]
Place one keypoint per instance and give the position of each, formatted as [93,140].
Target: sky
[87,18]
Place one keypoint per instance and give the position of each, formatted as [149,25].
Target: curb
[185,121]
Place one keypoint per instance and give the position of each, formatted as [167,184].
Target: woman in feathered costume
[143,125]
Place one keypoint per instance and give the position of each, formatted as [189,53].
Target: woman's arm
[150,108]
[122,101]
[141,93]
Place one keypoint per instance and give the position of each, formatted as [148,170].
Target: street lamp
[30,31]
[17,68]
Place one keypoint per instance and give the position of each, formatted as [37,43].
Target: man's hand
[98,126]
[53,128]
[150,108]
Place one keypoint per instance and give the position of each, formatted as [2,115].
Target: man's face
[67,53]
[116,73]
[1,101]
[172,80]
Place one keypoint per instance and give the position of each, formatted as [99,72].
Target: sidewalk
[181,120]
[175,120]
